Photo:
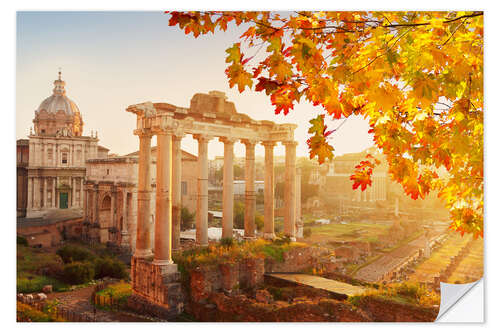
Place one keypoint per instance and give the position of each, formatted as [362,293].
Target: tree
[416,76]
[187,219]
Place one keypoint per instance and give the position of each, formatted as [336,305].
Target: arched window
[64,159]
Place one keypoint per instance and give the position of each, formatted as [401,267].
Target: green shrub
[227,241]
[22,241]
[187,219]
[259,222]
[78,272]
[108,267]
[239,215]
[307,232]
[72,253]
[34,283]
[282,240]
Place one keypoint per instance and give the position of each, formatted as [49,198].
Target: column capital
[202,137]
[143,133]
[178,134]
[289,143]
[227,140]
[249,142]
[269,143]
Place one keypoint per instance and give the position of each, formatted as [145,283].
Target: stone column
[85,206]
[290,157]
[202,203]
[45,192]
[80,204]
[143,242]
[163,218]
[36,193]
[113,207]
[57,192]
[269,190]
[133,222]
[176,191]
[30,193]
[298,204]
[95,215]
[56,156]
[228,188]
[125,235]
[54,192]
[249,188]
[73,192]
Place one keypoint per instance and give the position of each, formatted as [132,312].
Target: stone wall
[156,289]
[248,273]
[296,260]
[240,308]
[388,311]
[51,234]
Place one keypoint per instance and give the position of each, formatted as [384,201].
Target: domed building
[58,114]
[57,157]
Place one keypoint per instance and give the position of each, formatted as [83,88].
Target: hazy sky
[110,60]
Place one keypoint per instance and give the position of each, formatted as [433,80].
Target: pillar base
[269,235]
[156,289]
[167,266]
[143,254]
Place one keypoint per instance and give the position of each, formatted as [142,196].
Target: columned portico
[228,188]
[143,241]
[209,116]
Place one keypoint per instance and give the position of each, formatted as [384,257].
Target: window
[43,131]
[64,158]
[184,188]
[107,172]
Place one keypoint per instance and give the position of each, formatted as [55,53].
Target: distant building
[51,163]
[111,195]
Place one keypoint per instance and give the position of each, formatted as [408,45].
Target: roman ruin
[209,116]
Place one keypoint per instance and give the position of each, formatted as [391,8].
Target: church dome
[55,103]
[59,101]
[58,115]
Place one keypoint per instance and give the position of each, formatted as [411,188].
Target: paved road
[322,283]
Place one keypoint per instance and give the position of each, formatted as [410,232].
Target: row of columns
[38,189]
[168,188]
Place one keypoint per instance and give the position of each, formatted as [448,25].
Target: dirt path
[79,301]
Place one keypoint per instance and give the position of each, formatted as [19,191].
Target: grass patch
[231,252]
[403,293]
[26,313]
[114,296]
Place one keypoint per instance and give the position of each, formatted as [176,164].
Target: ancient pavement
[333,286]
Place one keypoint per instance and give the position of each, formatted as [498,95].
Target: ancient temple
[156,282]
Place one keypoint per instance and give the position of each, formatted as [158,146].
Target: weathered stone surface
[47,289]
[389,311]
[263,296]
